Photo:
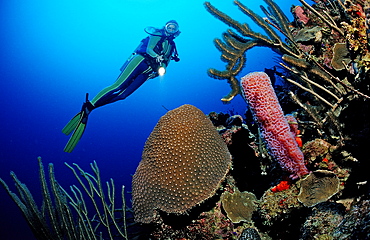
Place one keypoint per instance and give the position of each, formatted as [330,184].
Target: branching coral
[55,220]
[234,47]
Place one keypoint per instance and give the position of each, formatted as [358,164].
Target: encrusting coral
[239,206]
[183,163]
[341,57]
[318,187]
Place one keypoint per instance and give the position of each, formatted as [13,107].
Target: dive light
[161,69]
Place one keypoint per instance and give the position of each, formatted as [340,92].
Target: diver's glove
[153,75]
[175,58]
[159,58]
[154,62]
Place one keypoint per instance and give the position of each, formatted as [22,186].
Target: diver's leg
[136,70]
[77,124]
[138,81]
[135,67]
[87,107]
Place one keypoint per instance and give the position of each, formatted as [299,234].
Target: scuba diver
[149,60]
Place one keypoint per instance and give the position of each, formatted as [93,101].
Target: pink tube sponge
[259,94]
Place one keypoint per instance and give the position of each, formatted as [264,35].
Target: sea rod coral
[262,100]
[234,45]
[72,216]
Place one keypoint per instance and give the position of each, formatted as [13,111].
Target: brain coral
[183,162]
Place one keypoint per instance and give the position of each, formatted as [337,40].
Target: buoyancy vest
[158,48]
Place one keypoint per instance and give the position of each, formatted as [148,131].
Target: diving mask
[172,28]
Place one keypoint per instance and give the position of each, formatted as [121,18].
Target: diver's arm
[153,40]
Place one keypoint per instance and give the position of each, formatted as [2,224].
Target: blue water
[53,52]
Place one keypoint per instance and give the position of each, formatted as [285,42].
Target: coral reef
[183,163]
[324,64]
[260,95]
[211,224]
[356,223]
[316,149]
[325,51]
[275,206]
[322,221]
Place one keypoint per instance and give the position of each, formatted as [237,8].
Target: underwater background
[53,52]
